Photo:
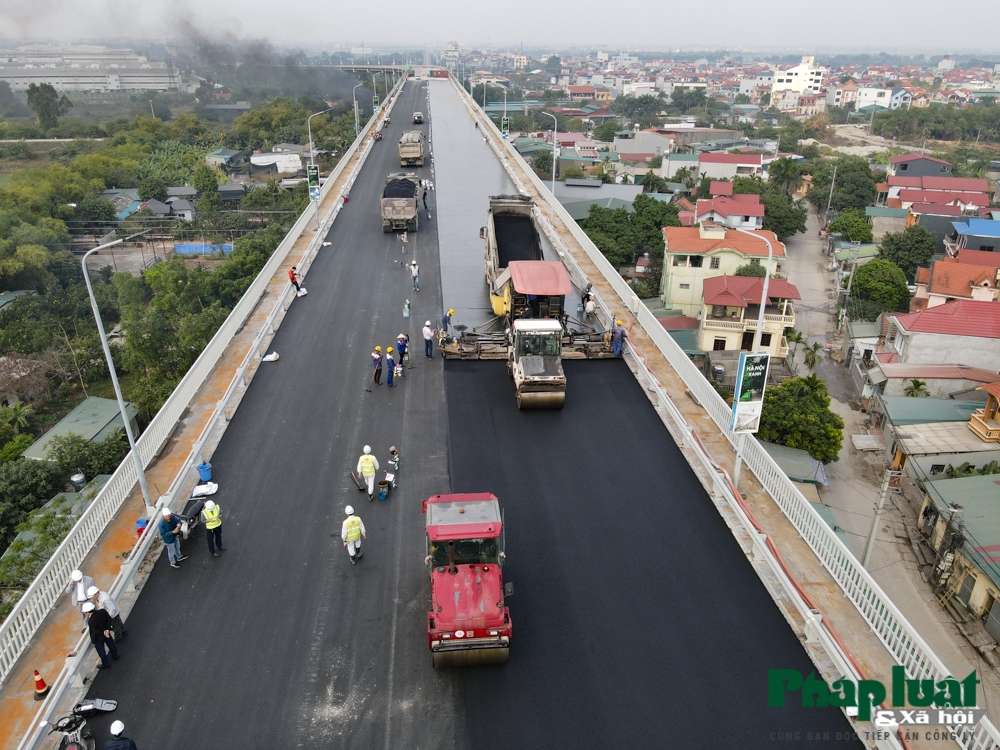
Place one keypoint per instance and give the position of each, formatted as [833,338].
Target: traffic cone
[41,689]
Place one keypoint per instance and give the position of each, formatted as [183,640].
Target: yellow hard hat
[379,348]
[451,312]
[618,322]
[389,349]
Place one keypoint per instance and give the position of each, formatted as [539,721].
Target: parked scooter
[390,476]
[76,733]
[191,514]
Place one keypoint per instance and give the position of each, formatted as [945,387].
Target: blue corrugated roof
[912,410]
[978,227]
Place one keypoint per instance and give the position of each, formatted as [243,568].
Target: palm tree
[795,338]
[785,175]
[16,415]
[812,385]
[814,355]
[917,389]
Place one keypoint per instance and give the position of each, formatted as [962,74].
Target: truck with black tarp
[511,235]
[411,149]
[399,202]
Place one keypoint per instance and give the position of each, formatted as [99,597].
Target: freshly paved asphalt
[638,622]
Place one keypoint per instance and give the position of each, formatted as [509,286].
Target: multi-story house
[805,77]
[965,332]
[730,314]
[693,254]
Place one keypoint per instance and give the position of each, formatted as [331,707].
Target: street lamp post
[354,94]
[114,380]
[756,337]
[312,153]
[555,158]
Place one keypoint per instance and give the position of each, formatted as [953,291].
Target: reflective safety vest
[213,518]
[353,529]
[367,465]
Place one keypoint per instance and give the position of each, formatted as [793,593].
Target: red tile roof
[720,188]
[912,182]
[635,157]
[954,279]
[991,388]
[950,184]
[937,372]
[942,198]
[688,240]
[751,159]
[742,291]
[979,258]
[923,275]
[679,323]
[962,317]
[725,207]
[746,198]
[935,210]
[914,157]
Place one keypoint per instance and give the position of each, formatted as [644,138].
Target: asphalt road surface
[638,621]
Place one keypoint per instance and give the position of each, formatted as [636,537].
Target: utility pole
[887,481]
[829,201]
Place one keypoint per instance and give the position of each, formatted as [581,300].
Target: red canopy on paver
[545,278]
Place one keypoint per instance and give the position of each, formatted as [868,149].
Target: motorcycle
[76,733]
[385,121]
[191,514]
[389,482]
[378,135]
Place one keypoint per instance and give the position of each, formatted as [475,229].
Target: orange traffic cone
[41,689]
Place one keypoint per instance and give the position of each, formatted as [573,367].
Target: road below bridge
[638,620]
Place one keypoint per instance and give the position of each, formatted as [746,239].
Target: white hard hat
[209,505]
[413,262]
[166,511]
[93,591]
[117,728]
[368,449]
[427,322]
[349,510]
[76,575]
[88,607]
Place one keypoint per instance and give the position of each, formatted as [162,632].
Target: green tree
[653,183]
[748,185]
[542,161]
[916,389]
[853,224]
[755,270]
[795,338]
[152,188]
[687,99]
[72,453]
[120,176]
[882,282]
[205,179]
[909,249]
[24,485]
[606,131]
[814,355]
[574,125]
[47,105]
[16,414]
[798,415]
[15,447]
[855,187]
[784,174]
[97,210]
[781,215]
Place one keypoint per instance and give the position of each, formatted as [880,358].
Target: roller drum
[541,399]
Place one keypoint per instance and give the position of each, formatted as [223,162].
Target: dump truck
[399,202]
[411,149]
[510,235]
[418,118]
[469,622]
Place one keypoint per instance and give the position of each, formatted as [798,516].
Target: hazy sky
[916,26]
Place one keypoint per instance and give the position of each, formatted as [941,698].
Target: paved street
[638,621]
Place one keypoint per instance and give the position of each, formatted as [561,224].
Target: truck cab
[469,622]
[418,118]
[535,363]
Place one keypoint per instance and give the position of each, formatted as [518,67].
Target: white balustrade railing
[874,605]
[33,607]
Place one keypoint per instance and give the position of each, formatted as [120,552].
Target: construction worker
[211,514]
[415,275]
[109,605]
[352,532]
[390,365]
[100,627]
[170,530]
[446,321]
[377,364]
[428,340]
[403,347]
[293,276]
[117,742]
[618,336]
[367,466]
[77,589]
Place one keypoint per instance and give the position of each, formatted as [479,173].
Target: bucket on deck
[78,480]
[205,471]
[383,489]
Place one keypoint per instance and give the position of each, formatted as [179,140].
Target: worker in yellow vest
[352,532]
[367,466]
[211,514]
